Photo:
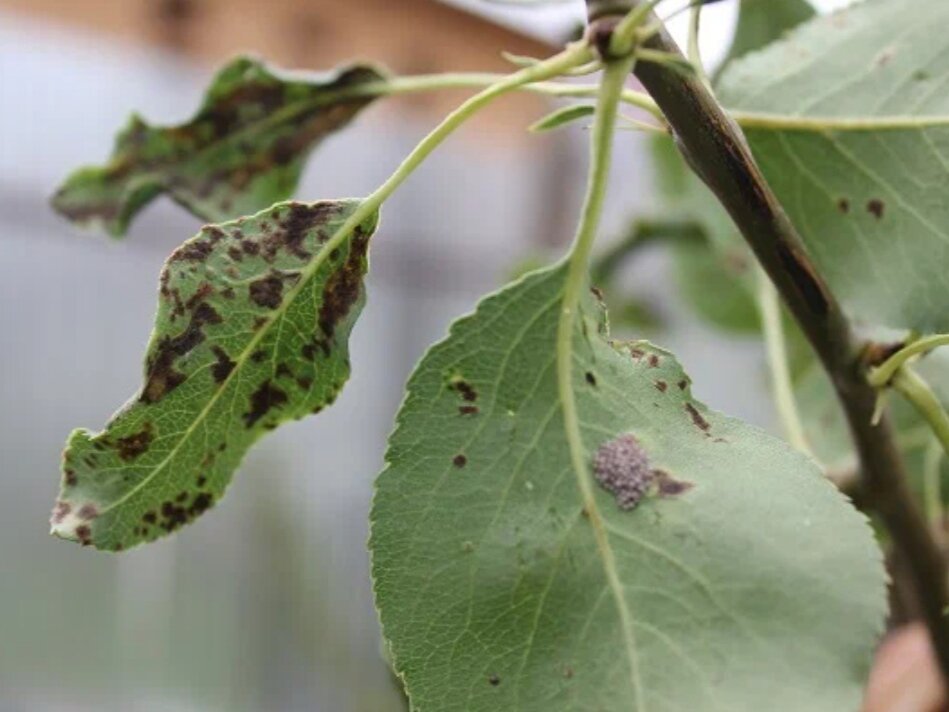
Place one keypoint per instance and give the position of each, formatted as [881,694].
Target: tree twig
[716,150]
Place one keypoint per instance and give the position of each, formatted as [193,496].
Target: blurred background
[265,603]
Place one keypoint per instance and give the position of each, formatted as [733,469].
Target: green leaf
[252,330]
[561,117]
[714,276]
[243,151]
[850,124]
[742,580]
[760,22]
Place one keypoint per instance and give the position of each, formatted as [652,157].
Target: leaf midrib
[788,122]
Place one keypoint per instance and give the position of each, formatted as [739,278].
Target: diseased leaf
[729,575]
[243,151]
[849,121]
[252,330]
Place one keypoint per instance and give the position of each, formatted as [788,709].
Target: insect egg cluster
[621,466]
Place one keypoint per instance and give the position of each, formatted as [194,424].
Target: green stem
[921,396]
[776,348]
[573,56]
[932,489]
[624,35]
[695,23]
[884,373]
[601,143]
[695,53]
[461,80]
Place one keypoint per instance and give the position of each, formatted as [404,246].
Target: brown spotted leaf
[243,150]
[848,117]
[252,330]
[693,563]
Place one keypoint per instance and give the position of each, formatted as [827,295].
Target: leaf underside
[742,580]
[243,150]
[252,330]
[852,132]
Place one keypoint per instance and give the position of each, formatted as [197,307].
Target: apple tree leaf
[713,567]
[242,151]
[252,330]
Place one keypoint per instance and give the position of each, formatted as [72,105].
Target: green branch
[462,80]
[573,56]
[884,373]
[932,484]
[908,383]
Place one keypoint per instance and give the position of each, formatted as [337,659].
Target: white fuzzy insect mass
[621,466]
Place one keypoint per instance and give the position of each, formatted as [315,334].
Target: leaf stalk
[577,279]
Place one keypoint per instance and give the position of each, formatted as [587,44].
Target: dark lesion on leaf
[266,397]
[300,219]
[343,288]
[463,388]
[669,486]
[876,208]
[200,248]
[697,418]
[84,534]
[267,291]
[173,514]
[136,444]
[161,376]
[468,409]
[223,365]
[61,510]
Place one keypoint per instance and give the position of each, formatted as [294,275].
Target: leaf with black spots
[243,150]
[252,330]
[696,564]
[848,119]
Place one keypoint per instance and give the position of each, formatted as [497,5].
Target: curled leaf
[242,151]
[252,330]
